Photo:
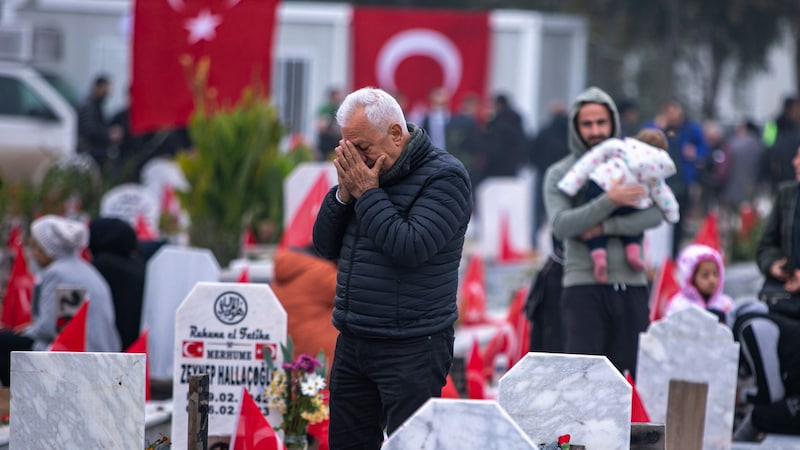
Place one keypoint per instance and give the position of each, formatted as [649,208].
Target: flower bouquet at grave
[295,390]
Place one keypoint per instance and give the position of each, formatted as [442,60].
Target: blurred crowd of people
[467,130]
[720,166]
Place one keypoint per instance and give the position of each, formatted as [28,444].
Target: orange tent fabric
[306,285]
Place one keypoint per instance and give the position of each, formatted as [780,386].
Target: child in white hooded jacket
[701,274]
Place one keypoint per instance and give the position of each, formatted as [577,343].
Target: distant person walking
[465,137]
[437,117]
[505,140]
[546,148]
[782,137]
[328,131]
[688,148]
[95,136]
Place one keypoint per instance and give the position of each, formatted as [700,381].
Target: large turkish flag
[169,36]
[410,51]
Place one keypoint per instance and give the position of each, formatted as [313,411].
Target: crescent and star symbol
[202,27]
[424,42]
[193,349]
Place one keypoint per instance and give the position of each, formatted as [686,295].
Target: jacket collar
[419,145]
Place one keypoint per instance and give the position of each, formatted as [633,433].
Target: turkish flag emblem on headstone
[270,347]
[412,51]
[193,349]
[172,36]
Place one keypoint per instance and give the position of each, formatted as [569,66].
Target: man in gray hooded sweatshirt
[598,318]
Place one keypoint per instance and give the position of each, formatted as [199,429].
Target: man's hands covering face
[355,177]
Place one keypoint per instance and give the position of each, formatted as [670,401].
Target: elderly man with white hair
[396,225]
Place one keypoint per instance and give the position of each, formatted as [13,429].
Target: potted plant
[235,169]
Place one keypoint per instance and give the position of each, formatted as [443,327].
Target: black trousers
[543,309]
[605,320]
[769,347]
[379,383]
[11,342]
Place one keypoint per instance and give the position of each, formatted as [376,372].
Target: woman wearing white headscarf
[55,245]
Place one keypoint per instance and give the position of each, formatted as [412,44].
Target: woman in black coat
[113,245]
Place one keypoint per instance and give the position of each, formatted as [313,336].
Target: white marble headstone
[552,394]
[444,424]
[221,329]
[171,273]
[128,201]
[297,185]
[509,198]
[77,400]
[690,345]
[160,172]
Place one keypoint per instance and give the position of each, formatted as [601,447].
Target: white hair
[380,108]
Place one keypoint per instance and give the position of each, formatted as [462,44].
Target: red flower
[563,439]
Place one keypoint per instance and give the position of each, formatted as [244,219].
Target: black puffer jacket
[399,246]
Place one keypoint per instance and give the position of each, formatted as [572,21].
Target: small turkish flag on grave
[449,390]
[472,309]
[708,234]
[17,300]
[507,254]
[638,411]
[476,381]
[244,276]
[252,430]
[144,232]
[73,337]
[664,287]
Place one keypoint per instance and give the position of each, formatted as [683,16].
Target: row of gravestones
[221,329]
[196,325]
[545,395]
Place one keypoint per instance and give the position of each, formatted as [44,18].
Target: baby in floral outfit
[643,160]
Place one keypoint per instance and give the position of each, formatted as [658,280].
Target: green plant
[745,244]
[236,169]
[70,187]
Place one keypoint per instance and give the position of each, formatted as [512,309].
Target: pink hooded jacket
[687,263]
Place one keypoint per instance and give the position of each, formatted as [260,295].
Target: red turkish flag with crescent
[235,36]
[193,349]
[411,51]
